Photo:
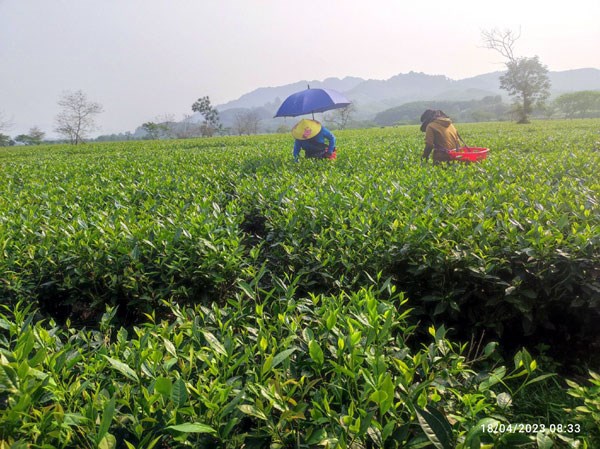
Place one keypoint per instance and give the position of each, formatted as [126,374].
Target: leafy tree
[526,78]
[76,120]
[154,130]
[35,137]
[5,140]
[211,123]
[580,104]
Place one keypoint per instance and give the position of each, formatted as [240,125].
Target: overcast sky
[142,59]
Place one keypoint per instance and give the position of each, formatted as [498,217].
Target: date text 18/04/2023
[530,428]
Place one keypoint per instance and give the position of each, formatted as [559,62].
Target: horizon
[125,131]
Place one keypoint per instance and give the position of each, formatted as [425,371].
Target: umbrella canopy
[310,101]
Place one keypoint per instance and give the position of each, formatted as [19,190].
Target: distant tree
[246,122]
[76,120]
[35,137]
[526,79]
[121,137]
[580,104]
[5,140]
[282,129]
[211,123]
[5,123]
[153,129]
[187,128]
[341,117]
[169,125]
[24,139]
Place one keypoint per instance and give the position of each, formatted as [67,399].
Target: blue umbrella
[310,101]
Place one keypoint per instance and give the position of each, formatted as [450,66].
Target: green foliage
[588,411]
[34,137]
[506,244]
[155,130]
[333,371]
[5,140]
[212,123]
[261,297]
[579,104]
[527,80]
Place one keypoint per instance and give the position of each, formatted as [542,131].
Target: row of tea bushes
[509,243]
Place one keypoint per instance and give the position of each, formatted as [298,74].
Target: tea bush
[509,243]
[252,300]
[321,371]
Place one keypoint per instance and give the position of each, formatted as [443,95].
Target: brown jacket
[440,135]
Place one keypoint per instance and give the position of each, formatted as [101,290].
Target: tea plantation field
[213,293]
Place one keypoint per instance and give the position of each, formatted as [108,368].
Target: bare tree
[5,123]
[340,117]
[187,128]
[501,41]
[169,125]
[246,122]
[526,79]
[76,120]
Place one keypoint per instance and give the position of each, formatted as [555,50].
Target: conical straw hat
[306,129]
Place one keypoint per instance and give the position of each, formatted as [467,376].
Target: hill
[415,86]
[372,97]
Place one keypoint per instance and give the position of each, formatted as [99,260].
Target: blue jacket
[316,143]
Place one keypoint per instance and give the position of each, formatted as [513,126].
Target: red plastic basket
[469,154]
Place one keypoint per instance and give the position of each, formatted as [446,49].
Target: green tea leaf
[388,387]
[193,428]
[544,441]
[473,437]
[122,368]
[179,393]
[283,355]
[108,442]
[214,343]
[107,416]
[436,427]
[163,385]
[253,411]
[316,353]
[378,396]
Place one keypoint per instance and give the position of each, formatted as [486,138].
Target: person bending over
[440,136]
[310,136]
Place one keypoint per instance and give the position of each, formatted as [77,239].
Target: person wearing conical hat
[440,135]
[310,136]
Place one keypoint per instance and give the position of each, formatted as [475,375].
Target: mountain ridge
[371,97]
[375,95]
